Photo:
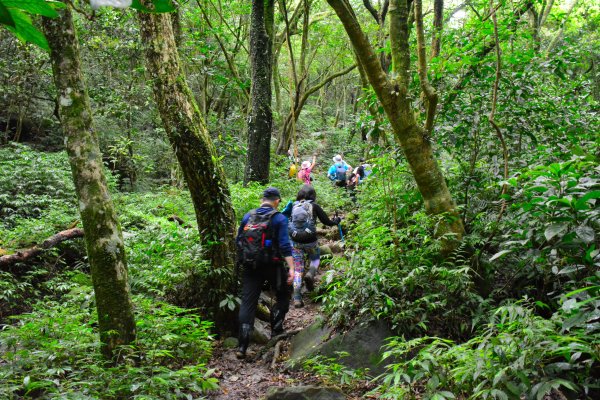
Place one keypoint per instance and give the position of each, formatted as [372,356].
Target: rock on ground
[304,393]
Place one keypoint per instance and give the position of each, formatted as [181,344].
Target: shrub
[54,353]
[518,355]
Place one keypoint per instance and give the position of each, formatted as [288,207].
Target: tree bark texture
[192,145]
[260,121]
[438,25]
[103,237]
[393,96]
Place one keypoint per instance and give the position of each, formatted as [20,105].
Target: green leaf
[585,233]
[582,202]
[591,253]
[37,7]
[5,17]
[514,389]
[499,254]
[554,230]
[25,30]
[160,6]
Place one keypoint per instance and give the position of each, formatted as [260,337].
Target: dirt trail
[250,379]
[241,379]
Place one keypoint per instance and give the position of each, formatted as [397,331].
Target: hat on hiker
[305,164]
[337,158]
[271,193]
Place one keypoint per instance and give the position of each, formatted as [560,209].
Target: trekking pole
[340,228]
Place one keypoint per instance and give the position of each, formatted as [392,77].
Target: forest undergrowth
[466,329]
[482,115]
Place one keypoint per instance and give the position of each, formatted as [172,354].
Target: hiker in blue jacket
[263,247]
[338,171]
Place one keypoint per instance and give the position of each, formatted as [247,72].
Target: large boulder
[308,342]
[304,393]
[363,344]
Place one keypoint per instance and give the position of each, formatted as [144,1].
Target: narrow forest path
[251,378]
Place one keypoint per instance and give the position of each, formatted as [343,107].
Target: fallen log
[24,255]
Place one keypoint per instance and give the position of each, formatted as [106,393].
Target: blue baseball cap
[271,193]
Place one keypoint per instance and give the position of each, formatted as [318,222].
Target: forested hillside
[453,147]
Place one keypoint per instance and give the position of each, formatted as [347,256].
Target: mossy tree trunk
[260,120]
[103,238]
[194,150]
[395,98]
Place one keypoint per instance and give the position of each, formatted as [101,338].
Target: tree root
[273,342]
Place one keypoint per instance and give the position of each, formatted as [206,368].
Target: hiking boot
[298,303]
[309,279]
[244,341]
[277,318]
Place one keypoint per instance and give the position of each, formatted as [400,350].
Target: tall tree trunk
[194,150]
[260,121]
[394,97]
[438,25]
[103,238]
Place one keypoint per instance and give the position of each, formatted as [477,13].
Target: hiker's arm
[280,227]
[287,210]
[313,163]
[322,216]
[331,172]
[285,246]
[290,263]
[242,224]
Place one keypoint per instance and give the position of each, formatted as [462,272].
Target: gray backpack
[302,227]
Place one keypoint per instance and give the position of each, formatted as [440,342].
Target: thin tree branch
[544,15]
[487,48]
[228,58]
[438,24]
[224,21]
[562,29]
[372,10]
[428,90]
[384,10]
[493,110]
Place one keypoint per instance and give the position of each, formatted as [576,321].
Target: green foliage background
[513,314]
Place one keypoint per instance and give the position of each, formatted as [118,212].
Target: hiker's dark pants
[252,283]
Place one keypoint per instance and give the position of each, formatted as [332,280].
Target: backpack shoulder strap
[251,215]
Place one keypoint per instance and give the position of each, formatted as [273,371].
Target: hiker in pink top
[306,168]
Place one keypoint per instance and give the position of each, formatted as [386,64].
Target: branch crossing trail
[251,378]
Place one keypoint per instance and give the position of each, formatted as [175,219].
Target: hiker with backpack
[263,248]
[302,229]
[305,170]
[337,172]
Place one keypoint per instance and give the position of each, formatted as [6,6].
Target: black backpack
[255,243]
